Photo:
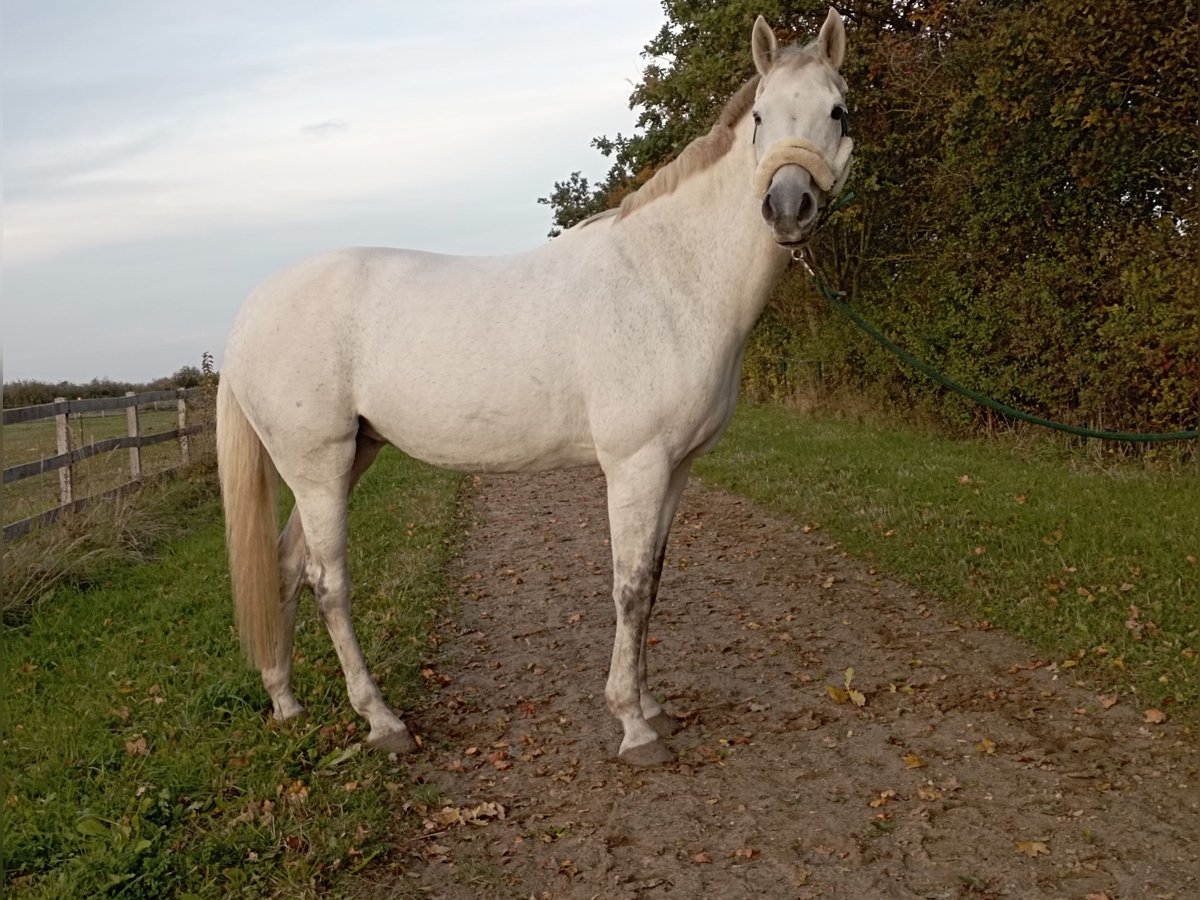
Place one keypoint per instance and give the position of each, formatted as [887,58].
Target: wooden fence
[66,458]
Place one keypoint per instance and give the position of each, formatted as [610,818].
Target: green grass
[1093,565]
[139,759]
[29,441]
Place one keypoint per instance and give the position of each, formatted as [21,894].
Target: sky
[161,157]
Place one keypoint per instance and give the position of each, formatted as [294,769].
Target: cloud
[325,129]
[158,162]
[259,152]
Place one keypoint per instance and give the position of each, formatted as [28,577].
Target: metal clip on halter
[803,255]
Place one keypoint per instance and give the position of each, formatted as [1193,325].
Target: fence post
[135,452]
[184,450]
[62,427]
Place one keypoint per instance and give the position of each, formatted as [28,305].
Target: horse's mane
[708,148]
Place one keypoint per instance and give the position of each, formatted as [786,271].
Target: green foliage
[139,761]
[30,392]
[1092,564]
[1026,213]
[572,201]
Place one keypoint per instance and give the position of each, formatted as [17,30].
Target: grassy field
[1096,566]
[139,759]
[29,441]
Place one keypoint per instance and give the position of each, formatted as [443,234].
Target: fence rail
[61,410]
[62,406]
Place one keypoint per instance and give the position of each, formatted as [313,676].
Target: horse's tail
[248,481]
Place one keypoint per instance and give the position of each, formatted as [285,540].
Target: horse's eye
[838,113]
[757,118]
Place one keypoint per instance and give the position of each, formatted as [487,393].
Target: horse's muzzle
[790,205]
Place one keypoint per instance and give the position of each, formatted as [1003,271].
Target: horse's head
[801,137]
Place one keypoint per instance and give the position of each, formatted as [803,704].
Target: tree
[572,201]
[1025,215]
[187,377]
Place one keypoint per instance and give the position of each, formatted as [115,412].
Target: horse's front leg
[656,716]
[642,496]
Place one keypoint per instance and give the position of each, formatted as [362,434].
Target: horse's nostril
[808,208]
[767,212]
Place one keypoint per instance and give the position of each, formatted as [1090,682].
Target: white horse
[619,343]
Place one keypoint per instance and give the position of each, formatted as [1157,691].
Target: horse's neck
[709,238]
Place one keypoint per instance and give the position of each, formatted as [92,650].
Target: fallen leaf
[451,816]
[986,746]
[1155,716]
[435,853]
[138,747]
[499,760]
[1032,849]
[744,853]
[882,799]
[912,761]
[929,793]
[1108,702]
[702,858]
[836,694]
[858,698]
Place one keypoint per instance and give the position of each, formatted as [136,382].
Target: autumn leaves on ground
[858,719]
[843,735]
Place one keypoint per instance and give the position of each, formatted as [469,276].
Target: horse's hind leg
[638,492]
[277,678]
[291,549]
[322,504]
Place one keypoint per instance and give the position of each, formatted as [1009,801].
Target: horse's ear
[832,40]
[763,46]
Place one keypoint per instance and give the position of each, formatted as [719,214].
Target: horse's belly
[483,436]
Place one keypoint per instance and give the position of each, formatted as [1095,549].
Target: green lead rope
[837,301]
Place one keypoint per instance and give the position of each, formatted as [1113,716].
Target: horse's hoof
[654,753]
[291,715]
[400,742]
[663,724]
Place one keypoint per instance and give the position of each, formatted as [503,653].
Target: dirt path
[971,770]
